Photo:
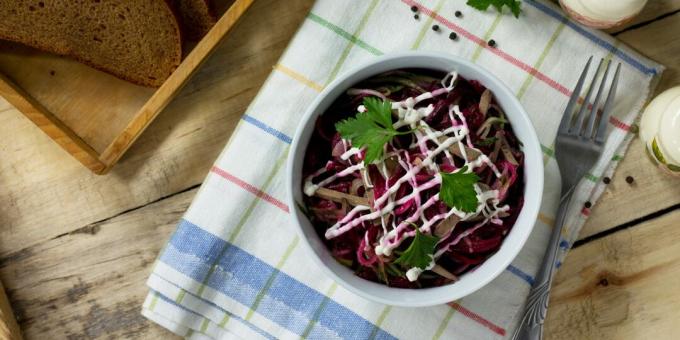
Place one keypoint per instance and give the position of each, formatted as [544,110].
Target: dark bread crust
[148,65]
[196,17]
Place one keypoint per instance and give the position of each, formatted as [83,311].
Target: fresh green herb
[371,129]
[382,274]
[389,89]
[393,270]
[458,190]
[421,251]
[487,141]
[483,5]
[345,262]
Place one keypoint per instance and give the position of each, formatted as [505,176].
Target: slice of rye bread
[197,17]
[138,41]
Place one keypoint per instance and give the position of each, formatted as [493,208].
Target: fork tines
[573,124]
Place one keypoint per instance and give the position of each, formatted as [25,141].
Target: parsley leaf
[487,141]
[458,191]
[483,5]
[421,251]
[382,111]
[371,129]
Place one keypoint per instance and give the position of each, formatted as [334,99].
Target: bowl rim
[484,273]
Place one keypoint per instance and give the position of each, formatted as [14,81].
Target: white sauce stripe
[430,144]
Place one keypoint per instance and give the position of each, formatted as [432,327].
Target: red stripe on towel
[507,57]
[250,188]
[478,318]
[466,34]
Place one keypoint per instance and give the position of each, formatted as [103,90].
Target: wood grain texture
[176,81]
[90,283]
[67,89]
[659,41]
[44,192]
[50,124]
[33,172]
[76,249]
[623,286]
[9,329]
[94,116]
[652,190]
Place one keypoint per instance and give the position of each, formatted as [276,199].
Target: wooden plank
[623,286]
[9,329]
[67,89]
[176,81]
[51,125]
[652,190]
[659,41]
[93,293]
[90,283]
[44,192]
[178,149]
[85,110]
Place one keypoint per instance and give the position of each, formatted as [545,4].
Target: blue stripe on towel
[250,325]
[522,275]
[241,276]
[592,37]
[266,128]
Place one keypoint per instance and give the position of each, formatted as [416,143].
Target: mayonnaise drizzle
[393,235]
[310,188]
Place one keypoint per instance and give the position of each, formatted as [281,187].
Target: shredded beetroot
[464,247]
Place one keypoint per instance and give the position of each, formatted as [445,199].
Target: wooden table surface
[76,248]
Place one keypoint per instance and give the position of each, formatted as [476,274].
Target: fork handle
[531,324]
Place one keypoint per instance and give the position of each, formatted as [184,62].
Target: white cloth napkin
[235,267]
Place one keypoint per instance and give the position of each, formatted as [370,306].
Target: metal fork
[578,146]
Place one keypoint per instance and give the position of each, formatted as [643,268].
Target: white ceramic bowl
[469,282]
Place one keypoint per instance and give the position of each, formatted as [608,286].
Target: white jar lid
[607,10]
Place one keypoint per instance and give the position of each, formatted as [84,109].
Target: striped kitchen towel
[235,267]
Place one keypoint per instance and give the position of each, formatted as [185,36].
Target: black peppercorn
[492,43]
[630,179]
[588,205]
[414,8]
[606,180]
[453,36]
[458,14]
[416,16]
[435,28]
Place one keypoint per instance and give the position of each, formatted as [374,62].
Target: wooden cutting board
[92,115]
